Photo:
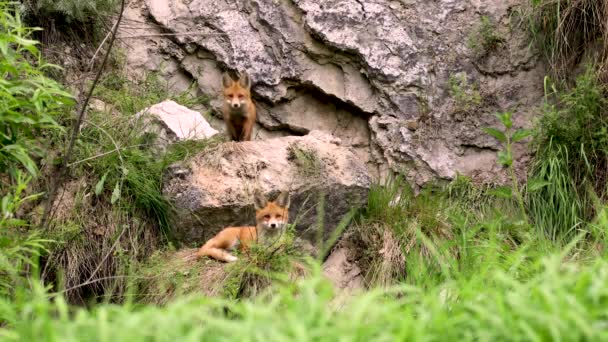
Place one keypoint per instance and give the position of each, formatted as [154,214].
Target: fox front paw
[231,258]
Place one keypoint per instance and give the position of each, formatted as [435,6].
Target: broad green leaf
[115,193]
[495,133]
[505,118]
[19,153]
[100,184]
[521,134]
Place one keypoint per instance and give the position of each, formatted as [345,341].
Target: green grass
[119,213]
[466,95]
[29,101]
[484,38]
[422,239]
[306,159]
[171,274]
[558,302]
[571,156]
[563,30]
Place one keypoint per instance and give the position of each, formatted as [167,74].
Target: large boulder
[326,180]
[407,84]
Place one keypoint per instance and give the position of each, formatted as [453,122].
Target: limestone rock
[344,274]
[216,189]
[375,74]
[169,122]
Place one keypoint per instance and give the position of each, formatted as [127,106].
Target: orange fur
[271,219]
[239,110]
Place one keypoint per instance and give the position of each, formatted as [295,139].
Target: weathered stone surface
[344,274]
[374,73]
[169,122]
[216,189]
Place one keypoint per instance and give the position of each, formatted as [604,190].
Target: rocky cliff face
[407,84]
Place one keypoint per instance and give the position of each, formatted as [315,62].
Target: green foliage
[571,157]
[82,11]
[466,96]
[557,302]
[484,38]
[19,248]
[394,228]
[505,159]
[29,101]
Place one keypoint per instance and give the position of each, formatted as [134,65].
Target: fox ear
[259,200]
[283,199]
[226,80]
[245,80]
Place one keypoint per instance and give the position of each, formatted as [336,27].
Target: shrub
[29,101]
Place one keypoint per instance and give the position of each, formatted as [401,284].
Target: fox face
[237,94]
[272,216]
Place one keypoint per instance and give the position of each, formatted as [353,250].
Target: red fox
[271,219]
[239,110]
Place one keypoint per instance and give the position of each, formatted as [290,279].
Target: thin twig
[93,282]
[76,129]
[103,154]
[92,61]
[194,33]
[124,228]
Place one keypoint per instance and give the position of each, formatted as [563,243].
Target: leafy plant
[505,158]
[19,248]
[29,101]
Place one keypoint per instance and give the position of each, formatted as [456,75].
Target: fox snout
[276,224]
[235,104]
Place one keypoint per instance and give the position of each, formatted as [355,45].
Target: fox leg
[246,135]
[232,131]
[210,249]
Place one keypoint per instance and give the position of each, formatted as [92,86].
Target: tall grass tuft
[564,30]
[558,303]
[572,157]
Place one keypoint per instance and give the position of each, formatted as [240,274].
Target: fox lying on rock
[271,220]
[239,110]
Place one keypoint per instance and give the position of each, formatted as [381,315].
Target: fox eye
[279,217]
[241,96]
[267,217]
